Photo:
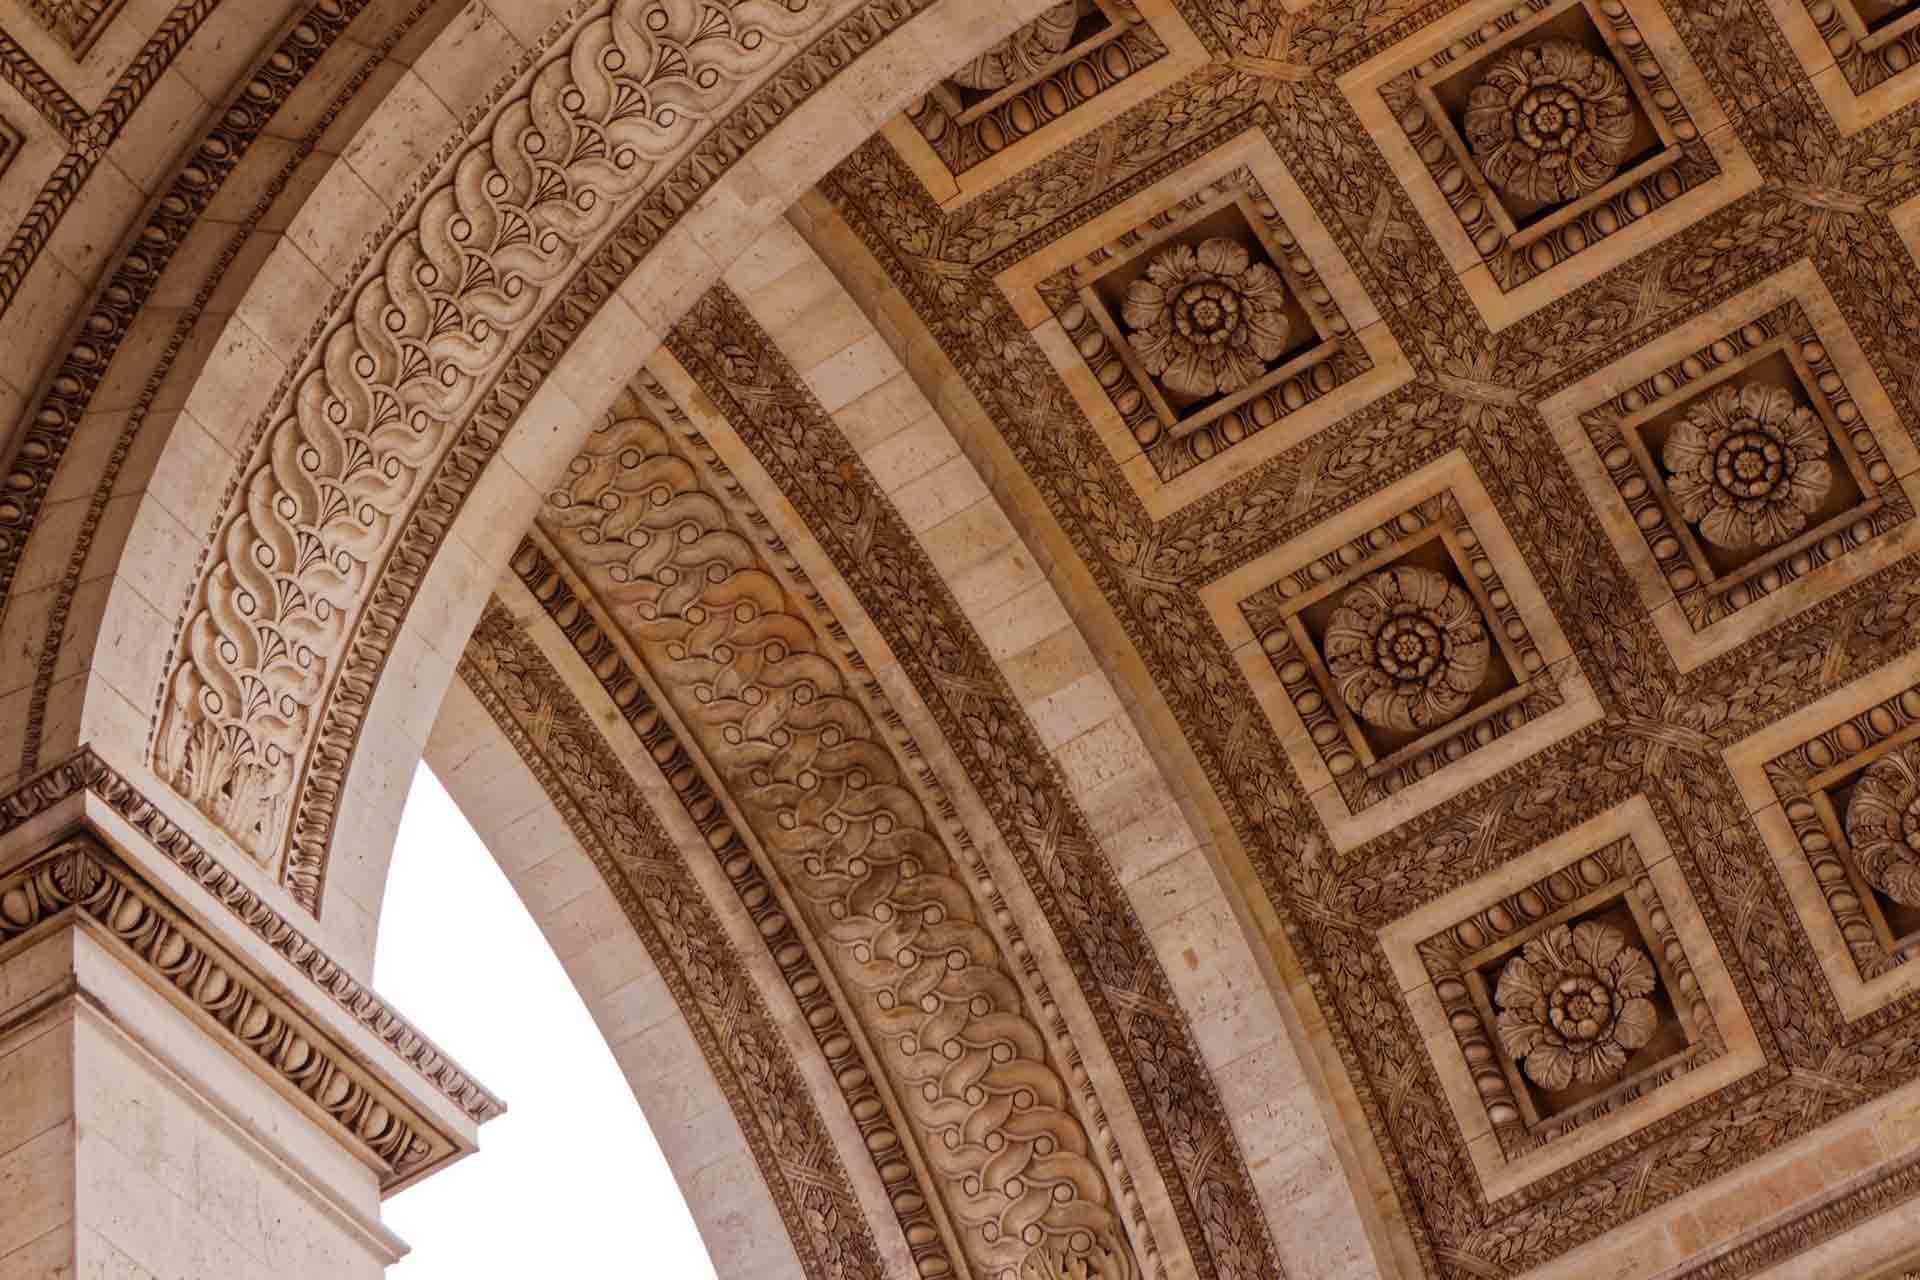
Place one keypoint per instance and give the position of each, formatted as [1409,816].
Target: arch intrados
[547,428]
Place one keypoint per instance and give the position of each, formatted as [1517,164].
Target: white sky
[569,1183]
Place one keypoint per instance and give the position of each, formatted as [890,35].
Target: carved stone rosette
[1883,824]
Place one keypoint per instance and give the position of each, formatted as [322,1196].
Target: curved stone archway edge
[589,331]
[717,1061]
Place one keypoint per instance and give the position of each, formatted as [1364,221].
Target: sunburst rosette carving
[1573,1005]
[1407,649]
[1550,121]
[1739,502]
[1747,465]
[1178,437]
[1552,988]
[1883,824]
[1206,319]
[1811,782]
[1547,123]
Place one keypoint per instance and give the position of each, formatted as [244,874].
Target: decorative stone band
[649,874]
[79,875]
[86,772]
[76,22]
[400,406]
[825,796]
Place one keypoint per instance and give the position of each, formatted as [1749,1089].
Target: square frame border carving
[1651,861]
[1771,767]
[1273,615]
[1453,473]
[1185,53]
[1863,90]
[1799,284]
[1252,151]
[1365,89]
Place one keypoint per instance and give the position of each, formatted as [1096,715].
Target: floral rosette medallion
[1550,121]
[1748,466]
[1207,318]
[1573,1005]
[1883,824]
[1407,649]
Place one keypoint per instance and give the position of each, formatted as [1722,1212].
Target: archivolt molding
[581,774]
[301,552]
[117,308]
[743,372]
[264,709]
[830,804]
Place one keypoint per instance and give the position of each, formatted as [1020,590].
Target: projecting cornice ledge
[82,846]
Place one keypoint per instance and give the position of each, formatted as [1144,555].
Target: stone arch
[746,114]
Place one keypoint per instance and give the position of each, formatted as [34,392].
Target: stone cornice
[80,876]
[86,773]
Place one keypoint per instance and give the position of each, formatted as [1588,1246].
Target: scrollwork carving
[831,806]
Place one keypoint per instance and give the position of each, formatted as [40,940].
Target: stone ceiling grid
[1048,461]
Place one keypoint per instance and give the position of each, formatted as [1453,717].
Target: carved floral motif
[334,482]
[1207,318]
[1550,121]
[1573,1004]
[1407,648]
[1027,52]
[1883,824]
[1748,465]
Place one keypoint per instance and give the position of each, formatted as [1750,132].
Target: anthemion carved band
[1112,639]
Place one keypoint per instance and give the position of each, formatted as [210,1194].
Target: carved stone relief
[1206,324]
[77,23]
[1748,470]
[743,373]
[831,807]
[1796,213]
[530,701]
[1402,651]
[1842,831]
[256,689]
[1060,61]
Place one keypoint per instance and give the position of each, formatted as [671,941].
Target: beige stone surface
[257,658]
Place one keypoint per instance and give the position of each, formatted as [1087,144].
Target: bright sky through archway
[570,1182]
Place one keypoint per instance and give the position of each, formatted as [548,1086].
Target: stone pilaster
[189,1087]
